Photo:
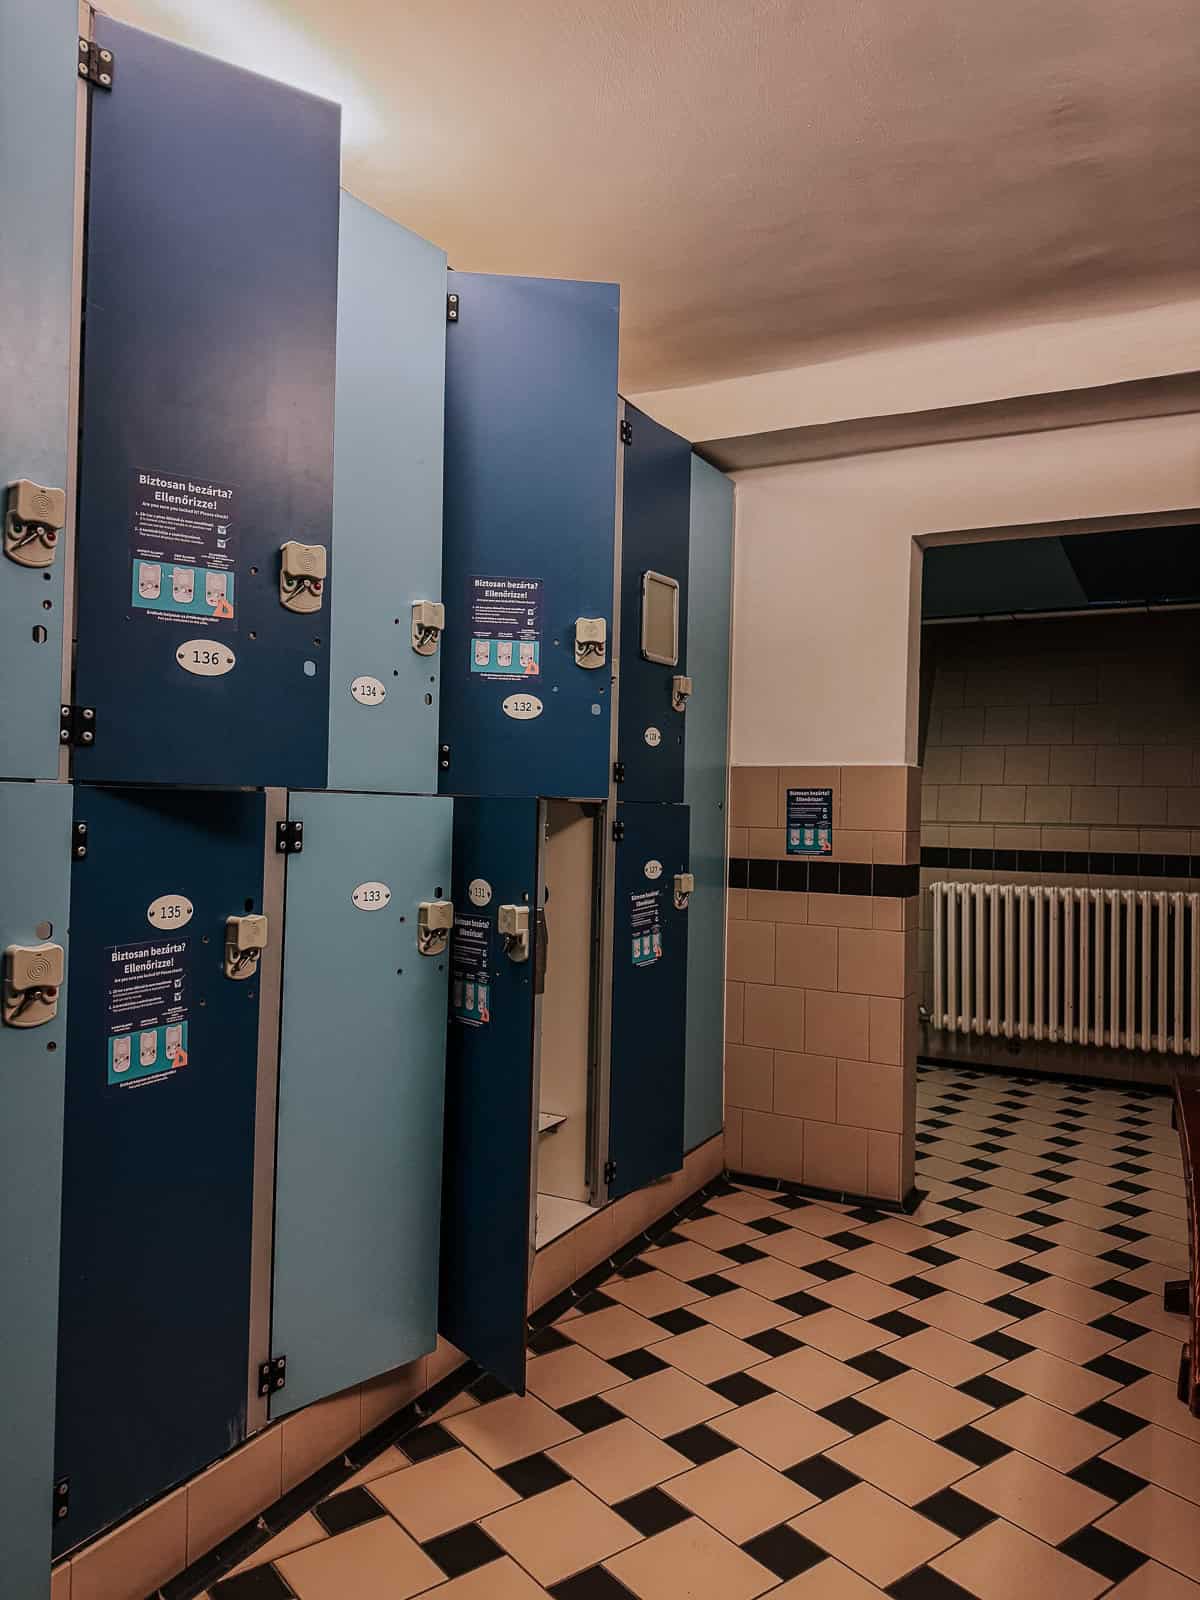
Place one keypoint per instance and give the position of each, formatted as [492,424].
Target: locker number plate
[206,658]
[523,707]
[169,911]
[371,896]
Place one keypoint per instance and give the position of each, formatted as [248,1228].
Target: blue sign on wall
[809,822]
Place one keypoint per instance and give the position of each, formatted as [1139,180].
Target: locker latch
[245,941]
[681,691]
[428,624]
[33,520]
[685,883]
[591,641]
[33,975]
[513,923]
[435,918]
[302,569]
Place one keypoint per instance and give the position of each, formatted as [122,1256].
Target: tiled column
[821,1029]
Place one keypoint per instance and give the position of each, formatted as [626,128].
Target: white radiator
[1109,967]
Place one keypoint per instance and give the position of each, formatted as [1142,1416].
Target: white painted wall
[827,588]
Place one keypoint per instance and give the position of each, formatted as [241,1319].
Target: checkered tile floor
[821,1402]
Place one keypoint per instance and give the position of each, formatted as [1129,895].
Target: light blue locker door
[387,503]
[37,188]
[704,777]
[361,1079]
[35,825]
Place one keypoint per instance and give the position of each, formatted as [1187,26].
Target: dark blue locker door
[158,1148]
[530,502]
[208,370]
[649,997]
[656,515]
[486,1200]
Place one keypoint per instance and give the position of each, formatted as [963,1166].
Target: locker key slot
[513,922]
[428,623]
[302,569]
[435,918]
[245,940]
[681,691]
[33,519]
[685,883]
[33,975]
[591,641]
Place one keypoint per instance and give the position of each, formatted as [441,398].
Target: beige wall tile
[773,1146]
[1145,807]
[835,1157]
[886,1029]
[885,1180]
[754,797]
[1002,803]
[840,910]
[1048,803]
[870,1096]
[237,1488]
[1095,805]
[774,1017]
[875,797]
[735,996]
[806,957]
[1026,763]
[1119,764]
[836,1025]
[1170,766]
[137,1557]
[870,962]
[958,802]
[1006,725]
[751,952]
[805,1086]
[749,1076]
[315,1435]
[982,763]
[1053,724]
[943,764]
[1073,764]
[733,1139]
[776,905]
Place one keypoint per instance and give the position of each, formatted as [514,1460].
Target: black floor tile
[1110,1557]
[1002,1344]
[1108,1479]
[926,1584]
[431,1440]
[679,1321]
[852,1415]
[260,1583]
[741,1388]
[347,1510]
[462,1550]
[773,1343]
[1109,1366]
[990,1390]
[651,1512]
[1112,1419]
[975,1446]
[784,1552]
[590,1414]
[877,1364]
[533,1474]
[594,1584]
[713,1283]
[899,1322]
[822,1477]
[544,1340]
[700,1444]
[637,1363]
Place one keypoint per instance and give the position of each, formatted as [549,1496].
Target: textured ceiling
[771,182]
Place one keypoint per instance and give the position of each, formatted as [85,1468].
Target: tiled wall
[820,1057]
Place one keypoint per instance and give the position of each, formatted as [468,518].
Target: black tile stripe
[1095,863]
[825,877]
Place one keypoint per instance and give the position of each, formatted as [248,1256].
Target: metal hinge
[79,841]
[451,308]
[444,757]
[77,725]
[626,432]
[618,772]
[610,1171]
[618,831]
[272,1375]
[61,1500]
[96,66]
[289,838]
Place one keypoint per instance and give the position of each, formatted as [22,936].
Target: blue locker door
[705,781]
[361,1075]
[531,441]
[206,421]
[649,997]
[37,188]
[158,1147]
[35,824]
[387,503]
[654,538]
[486,1201]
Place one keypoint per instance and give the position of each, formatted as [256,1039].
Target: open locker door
[487,1201]
[649,997]
[361,1072]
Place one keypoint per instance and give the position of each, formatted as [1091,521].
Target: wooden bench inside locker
[1181,1295]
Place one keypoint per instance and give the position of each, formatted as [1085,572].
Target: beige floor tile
[686,1261]
[717,1233]
[1001,1562]
[615,1331]
[742,1313]
[378,1559]
[433,1496]
[619,1460]
[940,1355]
[498,1580]
[560,1532]
[692,1560]
[977,1283]
[861,1297]
[900,1462]
[743,1207]
[739,1495]
[797,1248]
[669,1401]
[708,1353]
[828,1580]
[1065,1337]
[870,1532]
[1151,1582]
[924,1404]
[652,1293]
[879,1262]
[818,1220]
[1045,1433]
[507,1429]
[811,1377]
[1060,1382]
[770,1277]
[838,1333]
[1034,1496]
[1157,1352]
[1069,1299]
[778,1430]
[1165,1458]
[965,1319]
[1155,1399]
[564,1376]
[297,1535]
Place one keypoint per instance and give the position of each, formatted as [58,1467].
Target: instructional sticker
[470,977]
[645,924]
[506,627]
[147,1005]
[809,822]
[183,549]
